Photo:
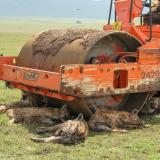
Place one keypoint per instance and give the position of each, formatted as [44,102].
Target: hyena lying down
[114,121]
[70,132]
[24,113]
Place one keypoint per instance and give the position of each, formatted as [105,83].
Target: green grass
[11,43]
[15,141]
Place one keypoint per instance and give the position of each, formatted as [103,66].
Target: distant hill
[96,9]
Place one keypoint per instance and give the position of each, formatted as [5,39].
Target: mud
[50,42]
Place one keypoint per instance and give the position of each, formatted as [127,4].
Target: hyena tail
[46,140]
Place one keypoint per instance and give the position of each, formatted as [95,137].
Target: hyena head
[154,103]
[10,113]
[64,112]
[82,127]
[151,106]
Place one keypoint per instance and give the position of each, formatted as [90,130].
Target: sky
[95,9]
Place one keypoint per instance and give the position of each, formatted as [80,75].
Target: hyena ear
[64,107]
[80,117]
[135,111]
[93,109]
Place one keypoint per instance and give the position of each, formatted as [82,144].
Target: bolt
[70,71]
[81,69]
[77,91]
[101,70]
[63,69]
[13,70]
[46,76]
[101,90]
[108,70]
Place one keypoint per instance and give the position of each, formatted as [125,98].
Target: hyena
[70,132]
[24,113]
[114,121]
[152,106]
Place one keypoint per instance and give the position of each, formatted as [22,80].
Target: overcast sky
[96,9]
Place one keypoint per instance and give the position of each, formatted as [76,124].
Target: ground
[15,141]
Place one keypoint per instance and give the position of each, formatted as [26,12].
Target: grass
[37,25]
[11,43]
[15,141]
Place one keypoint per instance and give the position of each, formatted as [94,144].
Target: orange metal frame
[75,81]
[32,80]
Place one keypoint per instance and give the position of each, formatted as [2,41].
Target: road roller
[117,67]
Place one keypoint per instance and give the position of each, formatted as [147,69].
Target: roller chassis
[95,80]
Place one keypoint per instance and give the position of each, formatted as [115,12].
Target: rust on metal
[94,82]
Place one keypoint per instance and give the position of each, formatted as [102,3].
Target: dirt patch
[50,42]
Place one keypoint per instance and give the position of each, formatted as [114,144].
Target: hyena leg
[101,128]
[16,120]
[47,129]
[108,129]
[133,126]
[48,121]
[65,141]
[138,126]
[12,121]
[3,109]
[144,125]
[118,130]
[47,140]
